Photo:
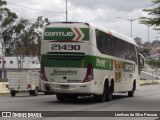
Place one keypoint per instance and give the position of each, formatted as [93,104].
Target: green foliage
[155,63]
[26,38]
[7,19]
[154,13]
[2,2]
[144,52]
[20,36]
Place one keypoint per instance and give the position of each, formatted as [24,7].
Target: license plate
[64,86]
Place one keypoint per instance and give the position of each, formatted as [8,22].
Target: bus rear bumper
[73,88]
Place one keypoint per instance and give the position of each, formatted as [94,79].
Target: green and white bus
[82,59]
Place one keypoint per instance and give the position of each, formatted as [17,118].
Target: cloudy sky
[104,13]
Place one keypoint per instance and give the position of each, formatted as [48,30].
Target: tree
[35,36]
[20,37]
[16,45]
[144,52]
[26,39]
[154,13]
[7,19]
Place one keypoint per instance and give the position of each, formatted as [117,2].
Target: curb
[5,92]
[149,82]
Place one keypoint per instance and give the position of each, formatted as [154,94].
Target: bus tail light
[89,74]
[43,76]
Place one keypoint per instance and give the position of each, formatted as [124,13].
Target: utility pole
[130,20]
[148,33]
[2,56]
[66,11]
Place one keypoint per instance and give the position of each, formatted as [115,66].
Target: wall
[3,88]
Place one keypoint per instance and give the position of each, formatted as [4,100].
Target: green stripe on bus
[64,62]
[97,62]
[101,63]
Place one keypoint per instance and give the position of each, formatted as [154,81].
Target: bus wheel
[13,93]
[102,97]
[109,92]
[60,97]
[131,93]
[72,97]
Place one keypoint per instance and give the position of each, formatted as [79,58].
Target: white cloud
[100,12]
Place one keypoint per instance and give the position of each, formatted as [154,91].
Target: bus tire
[109,92]
[13,93]
[60,97]
[72,97]
[102,97]
[131,93]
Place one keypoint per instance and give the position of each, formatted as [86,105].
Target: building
[14,63]
[155,53]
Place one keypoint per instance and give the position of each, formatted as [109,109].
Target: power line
[72,17]
[40,10]
[33,8]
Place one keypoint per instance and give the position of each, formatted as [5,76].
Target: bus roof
[116,34]
[112,32]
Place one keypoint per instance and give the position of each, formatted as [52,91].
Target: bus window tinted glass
[111,45]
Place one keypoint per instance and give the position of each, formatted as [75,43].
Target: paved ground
[146,99]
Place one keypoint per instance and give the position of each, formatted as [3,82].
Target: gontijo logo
[75,34]
[59,34]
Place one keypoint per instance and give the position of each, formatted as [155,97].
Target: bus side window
[99,40]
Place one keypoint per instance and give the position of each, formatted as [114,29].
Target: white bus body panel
[73,83]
